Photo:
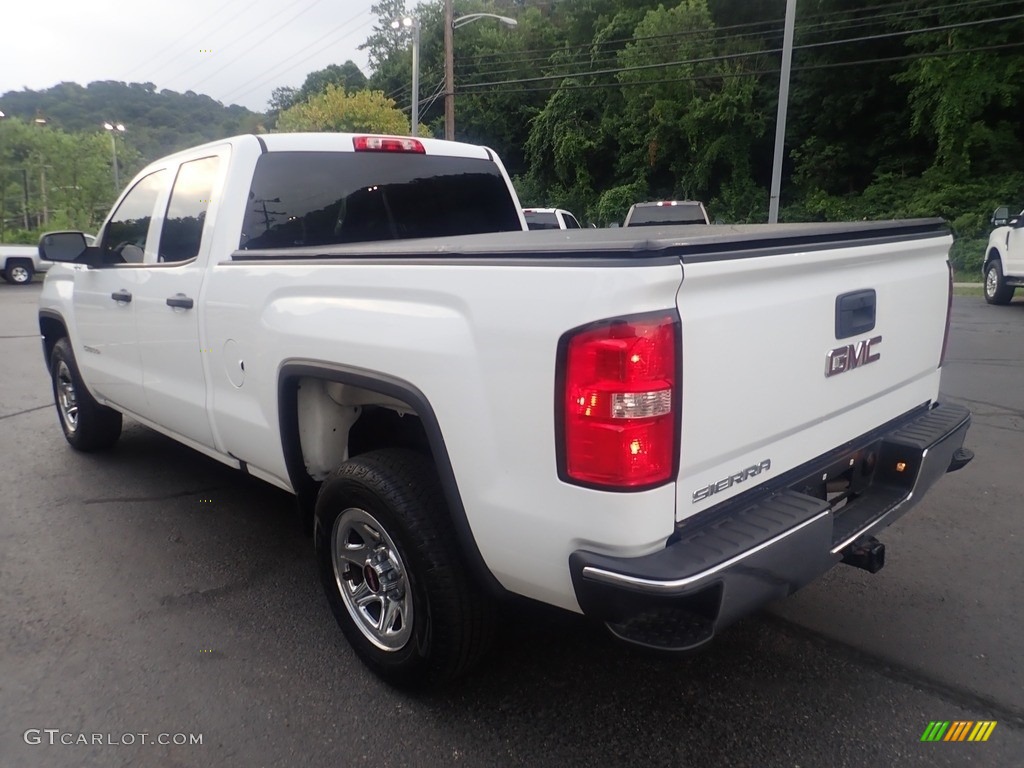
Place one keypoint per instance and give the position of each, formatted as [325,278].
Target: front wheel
[393,572]
[19,271]
[87,425]
[996,289]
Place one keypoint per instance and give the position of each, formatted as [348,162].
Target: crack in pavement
[964,698]
[997,406]
[162,497]
[256,577]
[27,410]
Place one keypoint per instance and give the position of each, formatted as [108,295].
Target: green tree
[335,110]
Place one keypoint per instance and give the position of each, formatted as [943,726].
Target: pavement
[152,591]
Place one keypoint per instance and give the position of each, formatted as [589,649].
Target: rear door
[793,346]
[168,303]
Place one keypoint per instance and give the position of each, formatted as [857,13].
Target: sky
[236,51]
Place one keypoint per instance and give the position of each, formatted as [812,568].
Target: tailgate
[781,360]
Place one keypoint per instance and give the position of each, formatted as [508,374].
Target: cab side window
[124,241]
[570,221]
[186,210]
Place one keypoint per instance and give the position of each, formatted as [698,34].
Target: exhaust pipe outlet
[866,553]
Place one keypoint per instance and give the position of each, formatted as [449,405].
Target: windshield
[689,213]
[539,220]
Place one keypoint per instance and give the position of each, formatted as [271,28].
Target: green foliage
[158,123]
[346,76]
[336,110]
[51,179]
[894,110]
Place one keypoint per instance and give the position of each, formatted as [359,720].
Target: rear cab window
[326,198]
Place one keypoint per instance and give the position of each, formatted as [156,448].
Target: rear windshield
[666,214]
[323,198]
[536,220]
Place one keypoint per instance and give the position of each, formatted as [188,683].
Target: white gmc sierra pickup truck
[662,430]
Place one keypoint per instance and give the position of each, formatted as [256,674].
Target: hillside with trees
[56,158]
[897,108]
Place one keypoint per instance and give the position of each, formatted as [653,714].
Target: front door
[104,337]
[1014,266]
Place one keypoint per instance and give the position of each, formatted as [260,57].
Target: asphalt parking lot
[153,591]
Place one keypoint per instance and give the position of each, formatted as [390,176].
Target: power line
[150,58]
[709,59]
[671,39]
[266,75]
[273,32]
[221,49]
[748,73]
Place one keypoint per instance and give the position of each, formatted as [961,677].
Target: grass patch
[974,290]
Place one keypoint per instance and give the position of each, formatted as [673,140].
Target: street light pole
[413,24]
[780,120]
[450,25]
[114,127]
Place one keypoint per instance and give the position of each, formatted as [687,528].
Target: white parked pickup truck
[19,263]
[1003,268]
[664,431]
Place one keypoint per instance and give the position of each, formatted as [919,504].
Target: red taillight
[387,144]
[620,402]
[949,315]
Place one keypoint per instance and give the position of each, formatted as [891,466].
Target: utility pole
[42,187]
[780,120]
[24,184]
[416,77]
[449,72]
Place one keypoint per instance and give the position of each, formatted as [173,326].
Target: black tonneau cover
[689,243]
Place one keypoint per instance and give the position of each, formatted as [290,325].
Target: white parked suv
[665,213]
[550,218]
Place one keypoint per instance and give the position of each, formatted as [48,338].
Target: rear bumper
[767,543]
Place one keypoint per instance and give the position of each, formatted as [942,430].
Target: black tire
[996,289]
[87,425]
[415,563]
[19,271]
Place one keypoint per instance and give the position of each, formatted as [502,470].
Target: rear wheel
[393,572]
[996,289]
[87,425]
[19,271]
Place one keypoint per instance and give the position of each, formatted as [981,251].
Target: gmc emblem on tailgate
[843,359]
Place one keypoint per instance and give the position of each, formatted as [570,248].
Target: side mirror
[62,246]
[1001,216]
